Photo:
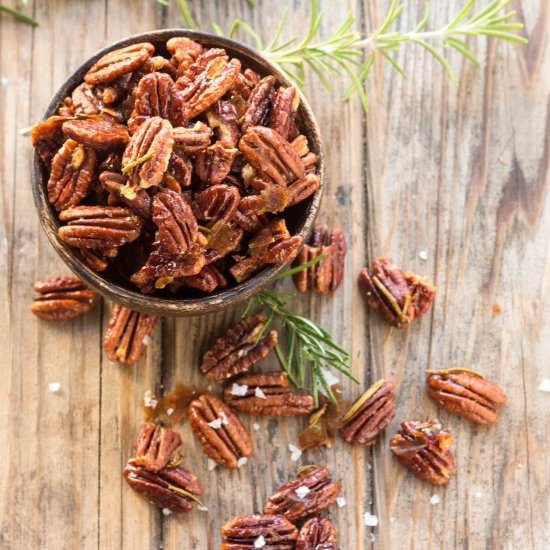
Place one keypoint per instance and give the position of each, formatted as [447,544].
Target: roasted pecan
[272,198]
[222,436]
[400,297]
[270,245]
[317,534]
[184,52]
[217,202]
[369,415]
[239,348]
[223,119]
[98,260]
[119,62]
[259,103]
[173,488]
[303,188]
[213,165]
[62,298]
[283,112]
[301,146]
[138,200]
[192,140]
[47,137]
[153,97]
[424,449]
[222,239]
[99,133]
[155,446]
[466,393]
[147,155]
[84,101]
[71,175]
[207,280]
[99,227]
[271,532]
[160,64]
[177,225]
[326,275]
[127,334]
[271,155]
[266,394]
[306,496]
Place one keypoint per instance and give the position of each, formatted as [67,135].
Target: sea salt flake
[370,520]
[149,400]
[170,411]
[545,385]
[435,500]
[302,491]
[54,387]
[372,537]
[239,390]
[166,511]
[341,502]
[423,255]
[211,464]
[258,392]
[242,461]
[146,340]
[4,81]
[223,418]
[202,508]
[216,423]
[478,494]
[255,426]
[259,542]
[295,452]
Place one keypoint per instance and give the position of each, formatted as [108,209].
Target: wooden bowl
[299,218]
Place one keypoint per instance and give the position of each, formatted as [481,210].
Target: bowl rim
[134,299]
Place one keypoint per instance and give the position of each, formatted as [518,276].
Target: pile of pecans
[175,172]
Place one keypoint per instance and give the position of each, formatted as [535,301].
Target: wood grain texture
[461,172]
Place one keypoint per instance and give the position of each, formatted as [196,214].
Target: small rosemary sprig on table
[18,15]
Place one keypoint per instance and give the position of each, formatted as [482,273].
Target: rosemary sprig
[18,15]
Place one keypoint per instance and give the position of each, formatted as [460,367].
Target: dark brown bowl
[299,218]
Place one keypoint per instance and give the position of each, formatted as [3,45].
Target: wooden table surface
[459,171]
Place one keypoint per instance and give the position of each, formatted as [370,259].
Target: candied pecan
[326,275]
[273,531]
[207,280]
[184,51]
[247,219]
[62,298]
[153,97]
[267,394]
[99,226]
[223,118]
[466,393]
[283,112]
[98,260]
[192,140]
[138,200]
[155,446]
[317,534]
[222,239]
[400,297]
[271,155]
[222,436]
[195,69]
[270,245]
[259,102]
[119,62]
[217,202]
[127,334]
[301,146]
[160,64]
[303,188]
[47,137]
[213,165]
[306,496]
[179,173]
[147,155]
[239,348]
[369,415]
[272,198]
[71,175]
[423,448]
[173,488]
[84,101]
[177,225]
[99,133]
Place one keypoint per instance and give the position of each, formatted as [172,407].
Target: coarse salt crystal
[545,385]
[478,494]
[434,500]
[423,255]
[295,452]
[216,423]
[223,418]
[255,426]
[341,502]
[149,400]
[372,537]
[211,464]
[258,392]
[166,511]
[202,508]
[370,520]
[242,461]
[146,340]
[302,491]
[238,389]
[169,411]
[259,542]
[54,387]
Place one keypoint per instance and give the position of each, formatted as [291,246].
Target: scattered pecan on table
[399,296]
[187,161]
[62,298]
[424,449]
[466,393]
[317,534]
[155,446]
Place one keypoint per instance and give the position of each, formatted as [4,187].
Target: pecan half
[326,275]
[155,446]
[192,140]
[400,297]
[71,175]
[84,101]
[147,155]
[424,449]
[62,298]
[217,202]
[317,534]
[177,225]
[222,436]
[207,280]
[267,394]
[47,137]
[213,165]
[223,119]
[127,334]
[98,260]
[138,200]
[272,532]
[99,226]
[102,134]
[119,62]
[466,393]
[223,238]
[369,415]
[283,112]
[303,188]
[306,496]
[271,155]
[173,488]
[259,103]
[239,348]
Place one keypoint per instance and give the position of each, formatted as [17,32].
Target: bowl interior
[112,283]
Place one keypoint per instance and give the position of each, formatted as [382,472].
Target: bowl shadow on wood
[110,284]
